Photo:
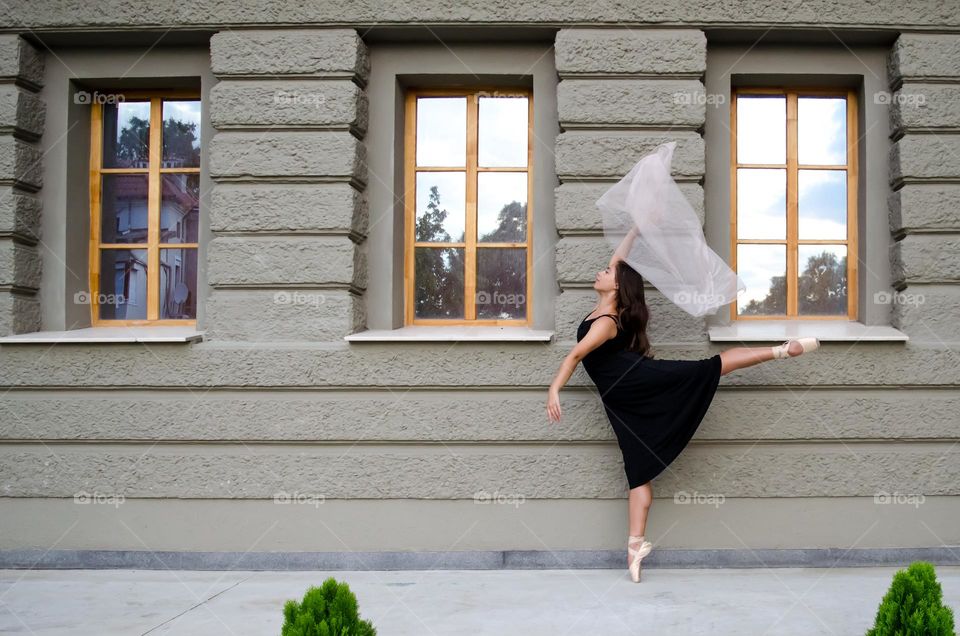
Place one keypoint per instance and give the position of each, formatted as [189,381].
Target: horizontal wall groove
[572,126]
[439,500]
[290,286]
[573,385]
[898,83]
[292,128]
[902,283]
[586,233]
[575,75]
[354,236]
[21,238]
[20,133]
[633,129]
[23,83]
[385,444]
[94,392]
[897,184]
[610,22]
[591,179]
[19,290]
[267,77]
[904,231]
[471,447]
[901,131]
[21,185]
[353,181]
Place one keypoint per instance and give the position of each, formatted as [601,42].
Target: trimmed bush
[913,606]
[328,610]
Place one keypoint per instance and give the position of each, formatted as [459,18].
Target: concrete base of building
[472,559]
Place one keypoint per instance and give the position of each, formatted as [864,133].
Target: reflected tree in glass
[180,140]
[774,303]
[511,225]
[502,272]
[439,279]
[430,225]
[181,137]
[438,272]
[502,283]
[822,288]
[132,143]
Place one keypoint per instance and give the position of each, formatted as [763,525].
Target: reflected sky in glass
[761,203]
[761,129]
[756,265]
[822,204]
[441,131]
[822,130]
[502,132]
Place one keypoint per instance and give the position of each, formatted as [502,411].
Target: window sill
[104,335]
[825,330]
[464,333]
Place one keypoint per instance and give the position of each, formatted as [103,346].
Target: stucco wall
[391,444]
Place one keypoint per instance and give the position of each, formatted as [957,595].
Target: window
[467,170]
[794,203]
[144,209]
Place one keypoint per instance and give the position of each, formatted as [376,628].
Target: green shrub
[329,610]
[913,606]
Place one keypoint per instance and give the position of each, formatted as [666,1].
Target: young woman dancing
[654,406]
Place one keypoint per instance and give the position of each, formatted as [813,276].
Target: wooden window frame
[792,169]
[470,244]
[154,173]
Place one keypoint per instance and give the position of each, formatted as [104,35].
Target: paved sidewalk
[757,601]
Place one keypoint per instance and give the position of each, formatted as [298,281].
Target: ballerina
[653,405]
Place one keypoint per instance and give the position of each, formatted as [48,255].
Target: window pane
[180,208]
[441,131]
[761,129]
[764,271]
[440,204]
[181,134]
[822,130]
[761,203]
[822,285]
[502,283]
[502,207]
[438,282]
[822,204]
[502,131]
[123,208]
[126,135]
[178,283]
[123,284]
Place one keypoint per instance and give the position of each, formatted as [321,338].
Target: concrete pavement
[778,601]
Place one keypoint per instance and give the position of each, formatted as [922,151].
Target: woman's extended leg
[638,505]
[742,357]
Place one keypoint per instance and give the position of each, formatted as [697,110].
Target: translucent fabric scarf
[669,250]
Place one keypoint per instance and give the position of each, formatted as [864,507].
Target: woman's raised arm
[624,248]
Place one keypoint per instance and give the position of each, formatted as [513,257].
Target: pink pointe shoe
[637,555]
[808,344]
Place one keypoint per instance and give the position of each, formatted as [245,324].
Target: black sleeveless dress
[654,406]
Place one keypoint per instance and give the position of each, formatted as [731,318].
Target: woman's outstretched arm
[600,331]
[624,248]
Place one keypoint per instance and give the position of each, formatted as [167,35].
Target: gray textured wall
[403,438]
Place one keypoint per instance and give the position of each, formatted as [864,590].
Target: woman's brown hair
[633,311]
